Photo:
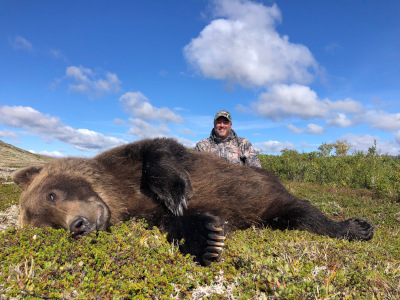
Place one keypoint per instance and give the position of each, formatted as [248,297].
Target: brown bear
[192,196]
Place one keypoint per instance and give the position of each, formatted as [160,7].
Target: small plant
[379,173]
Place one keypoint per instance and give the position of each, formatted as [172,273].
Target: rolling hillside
[12,158]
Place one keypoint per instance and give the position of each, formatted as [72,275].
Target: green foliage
[9,194]
[131,261]
[126,262]
[325,149]
[341,147]
[379,173]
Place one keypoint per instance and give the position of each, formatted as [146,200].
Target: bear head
[53,197]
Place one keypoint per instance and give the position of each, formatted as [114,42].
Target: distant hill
[13,157]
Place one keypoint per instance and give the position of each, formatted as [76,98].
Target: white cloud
[273,146]
[381,120]
[242,46]
[185,142]
[339,120]
[294,129]
[285,101]
[85,81]
[19,42]
[139,106]
[362,142]
[47,153]
[142,129]
[347,105]
[7,134]
[315,129]
[51,127]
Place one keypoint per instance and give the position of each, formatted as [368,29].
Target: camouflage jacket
[234,149]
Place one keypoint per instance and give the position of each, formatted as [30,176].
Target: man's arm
[250,154]
[202,146]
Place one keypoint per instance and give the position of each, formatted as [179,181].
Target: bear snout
[80,227]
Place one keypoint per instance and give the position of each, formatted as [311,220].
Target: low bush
[378,173]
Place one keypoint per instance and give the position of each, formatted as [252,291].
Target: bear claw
[213,228]
[213,243]
[216,237]
[215,240]
[211,249]
[210,255]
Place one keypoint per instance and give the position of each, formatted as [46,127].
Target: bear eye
[51,197]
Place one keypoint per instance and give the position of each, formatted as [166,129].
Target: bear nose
[80,227]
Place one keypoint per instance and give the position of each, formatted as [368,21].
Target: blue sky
[79,77]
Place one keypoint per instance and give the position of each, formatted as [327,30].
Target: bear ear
[24,177]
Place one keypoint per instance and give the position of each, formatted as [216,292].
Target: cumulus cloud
[285,101]
[273,146]
[139,106]
[142,129]
[20,43]
[381,120]
[339,120]
[52,128]
[48,153]
[311,129]
[315,129]
[294,129]
[85,81]
[241,45]
[347,105]
[362,142]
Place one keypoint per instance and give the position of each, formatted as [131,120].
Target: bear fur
[192,196]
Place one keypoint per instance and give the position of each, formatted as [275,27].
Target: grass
[132,261]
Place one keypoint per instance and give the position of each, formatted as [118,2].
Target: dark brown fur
[194,196]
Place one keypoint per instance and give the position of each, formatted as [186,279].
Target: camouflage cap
[225,114]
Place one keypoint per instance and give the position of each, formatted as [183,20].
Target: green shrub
[379,173]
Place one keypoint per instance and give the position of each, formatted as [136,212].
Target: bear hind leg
[357,229]
[304,216]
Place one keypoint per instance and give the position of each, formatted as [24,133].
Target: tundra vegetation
[135,261]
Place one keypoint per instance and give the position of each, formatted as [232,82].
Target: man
[224,143]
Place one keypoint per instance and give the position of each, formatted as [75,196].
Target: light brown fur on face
[194,196]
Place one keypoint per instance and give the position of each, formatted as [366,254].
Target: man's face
[222,127]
